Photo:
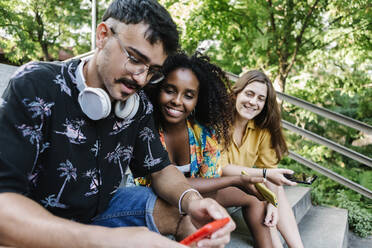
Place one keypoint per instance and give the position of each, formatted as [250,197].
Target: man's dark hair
[161,26]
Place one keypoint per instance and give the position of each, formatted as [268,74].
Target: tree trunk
[280,80]
[279,83]
[44,47]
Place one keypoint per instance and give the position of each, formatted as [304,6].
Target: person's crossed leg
[139,206]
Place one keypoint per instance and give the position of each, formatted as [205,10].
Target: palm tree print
[73,131]
[94,175]
[71,72]
[149,108]
[34,132]
[35,136]
[120,126]
[24,69]
[33,175]
[96,148]
[120,153]
[61,81]
[51,201]
[147,135]
[44,146]
[41,109]
[69,172]
[146,102]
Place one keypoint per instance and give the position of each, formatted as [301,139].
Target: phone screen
[300,177]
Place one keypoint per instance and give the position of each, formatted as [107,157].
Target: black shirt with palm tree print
[53,153]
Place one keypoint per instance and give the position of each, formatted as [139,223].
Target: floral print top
[204,153]
[54,154]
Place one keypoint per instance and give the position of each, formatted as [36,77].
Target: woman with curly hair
[194,112]
[257,140]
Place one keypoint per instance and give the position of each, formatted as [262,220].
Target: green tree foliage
[272,35]
[335,78]
[39,29]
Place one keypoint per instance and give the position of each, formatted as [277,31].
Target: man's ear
[102,34]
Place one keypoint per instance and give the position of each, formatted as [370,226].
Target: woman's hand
[247,184]
[272,216]
[276,176]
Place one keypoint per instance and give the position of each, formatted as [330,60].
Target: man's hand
[276,177]
[203,211]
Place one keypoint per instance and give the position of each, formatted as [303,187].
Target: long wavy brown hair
[269,118]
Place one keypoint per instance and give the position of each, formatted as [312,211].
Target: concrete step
[319,226]
[324,227]
[298,197]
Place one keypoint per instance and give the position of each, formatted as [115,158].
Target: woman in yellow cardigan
[257,141]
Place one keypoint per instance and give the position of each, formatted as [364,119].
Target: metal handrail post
[94,24]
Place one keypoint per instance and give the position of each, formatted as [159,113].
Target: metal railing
[345,120]
[323,141]
[328,143]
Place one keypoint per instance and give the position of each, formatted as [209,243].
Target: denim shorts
[130,206]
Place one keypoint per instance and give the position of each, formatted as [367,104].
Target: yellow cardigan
[255,149]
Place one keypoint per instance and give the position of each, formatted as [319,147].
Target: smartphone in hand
[265,192]
[300,177]
[205,231]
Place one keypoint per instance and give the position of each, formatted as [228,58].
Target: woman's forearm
[206,185]
[234,170]
[275,176]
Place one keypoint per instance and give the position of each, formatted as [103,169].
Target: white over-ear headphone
[96,103]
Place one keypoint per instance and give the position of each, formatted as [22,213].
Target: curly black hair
[214,108]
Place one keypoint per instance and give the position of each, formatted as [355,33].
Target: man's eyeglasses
[136,67]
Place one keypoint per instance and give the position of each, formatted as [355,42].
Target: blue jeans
[130,206]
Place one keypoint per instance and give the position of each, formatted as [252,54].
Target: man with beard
[69,132]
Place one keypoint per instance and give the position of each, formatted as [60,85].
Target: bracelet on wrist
[182,196]
[264,172]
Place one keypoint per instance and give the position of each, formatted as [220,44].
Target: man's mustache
[129,83]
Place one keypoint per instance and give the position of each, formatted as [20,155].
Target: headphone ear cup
[129,108]
[95,103]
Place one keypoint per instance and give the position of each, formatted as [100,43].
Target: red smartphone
[205,231]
